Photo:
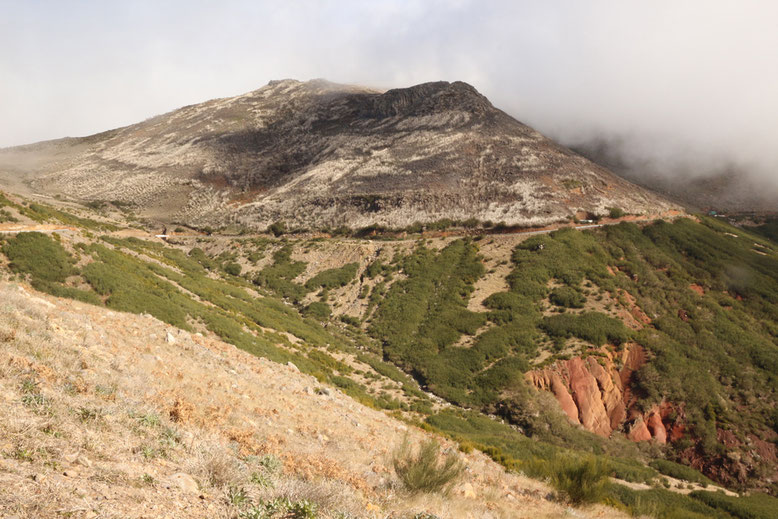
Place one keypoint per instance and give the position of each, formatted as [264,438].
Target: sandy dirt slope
[107,414]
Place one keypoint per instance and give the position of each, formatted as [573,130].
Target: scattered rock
[170,338]
[468,491]
[70,458]
[184,482]
[291,365]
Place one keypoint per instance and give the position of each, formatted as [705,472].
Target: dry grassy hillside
[108,414]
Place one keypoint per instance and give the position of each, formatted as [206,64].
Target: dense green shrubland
[567,297]
[592,327]
[279,276]
[755,506]
[333,278]
[47,264]
[422,316]
[36,254]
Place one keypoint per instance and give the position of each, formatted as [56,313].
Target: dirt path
[676,485]
[14,228]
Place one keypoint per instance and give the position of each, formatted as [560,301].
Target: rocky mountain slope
[318,154]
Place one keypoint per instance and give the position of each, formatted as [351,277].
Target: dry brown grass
[98,411]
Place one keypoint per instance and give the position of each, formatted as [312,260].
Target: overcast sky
[695,81]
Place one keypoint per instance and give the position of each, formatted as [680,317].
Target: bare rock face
[318,154]
[657,428]
[563,396]
[639,431]
[610,393]
[594,393]
[587,395]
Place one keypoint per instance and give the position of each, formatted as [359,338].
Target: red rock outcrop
[639,431]
[593,392]
[656,427]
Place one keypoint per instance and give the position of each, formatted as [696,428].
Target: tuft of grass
[580,481]
[282,507]
[237,496]
[271,464]
[425,469]
[86,414]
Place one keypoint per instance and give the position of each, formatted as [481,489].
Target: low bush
[279,276]
[333,278]
[317,310]
[277,228]
[425,469]
[567,297]
[580,481]
[233,269]
[5,216]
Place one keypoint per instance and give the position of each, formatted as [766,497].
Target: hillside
[317,154]
[117,414]
[645,348]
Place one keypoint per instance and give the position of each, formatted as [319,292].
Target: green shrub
[233,269]
[317,310]
[199,256]
[580,481]
[662,503]
[281,508]
[615,212]
[277,228]
[5,216]
[567,297]
[333,278]
[279,276]
[350,320]
[424,469]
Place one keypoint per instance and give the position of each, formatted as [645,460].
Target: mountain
[318,154]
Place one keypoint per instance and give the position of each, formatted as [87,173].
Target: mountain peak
[429,97]
[321,154]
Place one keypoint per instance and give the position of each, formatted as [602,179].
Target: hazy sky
[677,80]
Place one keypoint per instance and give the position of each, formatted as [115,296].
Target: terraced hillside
[641,351]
